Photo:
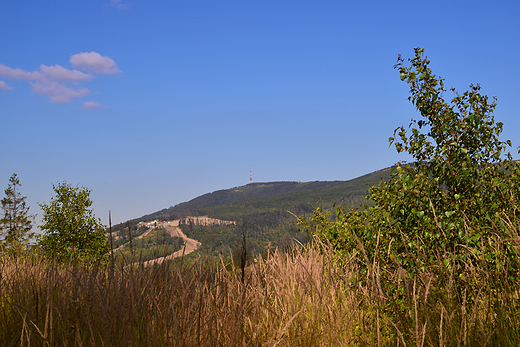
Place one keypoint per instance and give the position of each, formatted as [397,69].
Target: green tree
[70,227]
[451,203]
[16,224]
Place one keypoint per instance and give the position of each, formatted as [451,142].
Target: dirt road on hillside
[189,244]
[172,227]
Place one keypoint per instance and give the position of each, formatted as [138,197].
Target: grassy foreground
[299,298]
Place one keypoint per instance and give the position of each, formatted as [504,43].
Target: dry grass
[299,298]
[286,300]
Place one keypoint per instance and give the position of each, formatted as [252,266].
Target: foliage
[16,224]
[70,227]
[453,200]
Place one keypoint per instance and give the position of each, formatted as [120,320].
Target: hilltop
[269,196]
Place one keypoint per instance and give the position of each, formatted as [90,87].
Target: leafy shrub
[450,205]
[70,228]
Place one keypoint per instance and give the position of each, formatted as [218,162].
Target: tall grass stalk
[302,297]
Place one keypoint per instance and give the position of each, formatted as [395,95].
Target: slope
[263,211]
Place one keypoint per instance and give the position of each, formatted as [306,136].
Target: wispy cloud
[58,92]
[58,73]
[51,73]
[19,74]
[51,80]
[4,86]
[119,4]
[94,62]
[92,104]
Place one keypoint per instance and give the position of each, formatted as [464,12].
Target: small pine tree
[16,223]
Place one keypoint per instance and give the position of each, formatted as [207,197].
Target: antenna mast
[250,177]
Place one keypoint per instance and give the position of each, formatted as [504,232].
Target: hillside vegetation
[264,212]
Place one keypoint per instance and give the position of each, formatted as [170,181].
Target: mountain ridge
[269,194]
[264,211]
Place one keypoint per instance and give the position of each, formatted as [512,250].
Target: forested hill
[249,191]
[269,196]
[263,211]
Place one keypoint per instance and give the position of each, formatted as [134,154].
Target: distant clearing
[172,228]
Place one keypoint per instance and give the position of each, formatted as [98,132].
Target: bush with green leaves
[451,204]
[70,228]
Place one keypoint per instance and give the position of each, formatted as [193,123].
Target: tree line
[69,226]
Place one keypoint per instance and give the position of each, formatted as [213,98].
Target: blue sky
[152,103]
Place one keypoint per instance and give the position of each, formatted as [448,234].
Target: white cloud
[119,4]
[4,86]
[92,104]
[94,62]
[50,73]
[19,74]
[58,92]
[51,80]
[58,73]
